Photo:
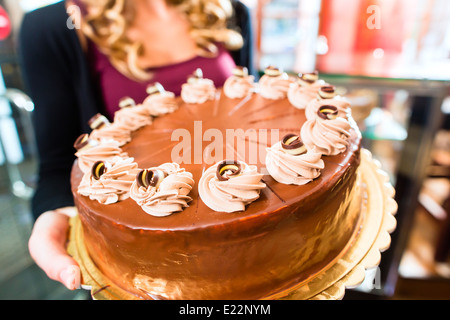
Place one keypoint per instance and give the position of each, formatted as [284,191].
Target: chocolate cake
[240,196]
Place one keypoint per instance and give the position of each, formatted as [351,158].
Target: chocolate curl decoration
[150,178]
[196,75]
[126,102]
[272,71]
[310,76]
[228,169]
[83,141]
[307,78]
[327,92]
[327,112]
[98,121]
[292,144]
[240,71]
[99,168]
[155,88]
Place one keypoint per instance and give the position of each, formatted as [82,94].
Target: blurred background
[390,57]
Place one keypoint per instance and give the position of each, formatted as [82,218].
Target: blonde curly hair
[106,21]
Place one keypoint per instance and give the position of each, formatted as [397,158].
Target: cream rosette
[109,183]
[309,88]
[103,130]
[326,134]
[288,168]
[160,103]
[198,89]
[300,96]
[90,151]
[239,85]
[132,117]
[274,86]
[229,186]
[114,131]
[163,190]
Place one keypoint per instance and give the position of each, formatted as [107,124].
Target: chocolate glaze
[281,240]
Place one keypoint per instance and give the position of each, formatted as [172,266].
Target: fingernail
[70,277]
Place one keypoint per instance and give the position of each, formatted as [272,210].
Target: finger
[47,248]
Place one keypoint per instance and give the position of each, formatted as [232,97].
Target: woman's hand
[47,247]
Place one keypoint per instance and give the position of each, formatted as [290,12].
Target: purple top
[115,85]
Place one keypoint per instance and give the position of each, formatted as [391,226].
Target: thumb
[47,248]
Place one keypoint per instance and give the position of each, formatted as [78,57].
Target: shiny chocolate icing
[284,238]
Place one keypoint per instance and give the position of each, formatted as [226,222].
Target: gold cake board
[379,208]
